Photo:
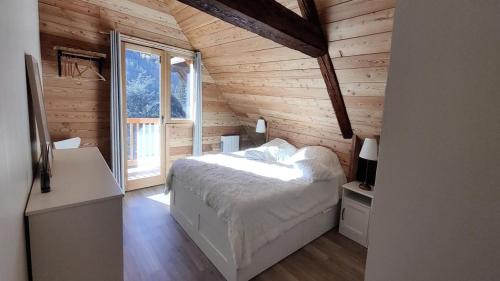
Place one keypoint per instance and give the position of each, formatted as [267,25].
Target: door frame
[164,107]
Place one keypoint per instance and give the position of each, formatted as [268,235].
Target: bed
[248,210]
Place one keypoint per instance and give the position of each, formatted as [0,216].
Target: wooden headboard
[356,144]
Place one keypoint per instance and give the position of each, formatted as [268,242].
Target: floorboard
[156,248]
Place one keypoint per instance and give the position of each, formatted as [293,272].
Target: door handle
[342,215]
[162,120]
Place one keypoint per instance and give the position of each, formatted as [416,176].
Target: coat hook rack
[64,52]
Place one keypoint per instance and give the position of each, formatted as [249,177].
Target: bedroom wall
[218,118]
[81,108]
[258,77]
[437,194]
[19,33]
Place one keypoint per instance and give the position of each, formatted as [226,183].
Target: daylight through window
[181,88]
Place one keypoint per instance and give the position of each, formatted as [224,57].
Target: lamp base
[365,186]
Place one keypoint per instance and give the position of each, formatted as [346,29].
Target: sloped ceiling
[259,77]
[255,76]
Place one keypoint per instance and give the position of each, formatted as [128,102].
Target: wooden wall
[246,76]
[75,108]
[78,107]
[258,77]
[218,119]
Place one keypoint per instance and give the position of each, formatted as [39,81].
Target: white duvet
[258,200]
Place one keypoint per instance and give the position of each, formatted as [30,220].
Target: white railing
[143,135]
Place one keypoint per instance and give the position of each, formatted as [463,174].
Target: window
[181,88]
[157,83]
[143,84]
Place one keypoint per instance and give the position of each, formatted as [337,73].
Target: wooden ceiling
[256,76]
[259,77]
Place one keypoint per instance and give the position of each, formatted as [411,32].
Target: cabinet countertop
[79,176]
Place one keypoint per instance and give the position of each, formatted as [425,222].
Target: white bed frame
[209,232]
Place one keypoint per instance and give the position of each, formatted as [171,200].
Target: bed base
[209,232]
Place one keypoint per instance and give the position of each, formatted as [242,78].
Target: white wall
[437,200]
[18,34]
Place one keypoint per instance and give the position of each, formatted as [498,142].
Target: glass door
[144,113]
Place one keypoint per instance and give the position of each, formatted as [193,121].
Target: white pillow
[257,154]
[317,163]
[279,149]
[313,170]
[273,151]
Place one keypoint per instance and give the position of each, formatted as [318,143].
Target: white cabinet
[75,231]
[356,213]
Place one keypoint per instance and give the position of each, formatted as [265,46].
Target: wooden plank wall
[75,108]
[218,119]
[80,107]
[258,77]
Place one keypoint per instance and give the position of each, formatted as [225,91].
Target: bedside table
[356,212]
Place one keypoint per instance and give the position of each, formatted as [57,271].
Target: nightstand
[356,212]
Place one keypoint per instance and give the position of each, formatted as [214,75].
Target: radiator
[230,143]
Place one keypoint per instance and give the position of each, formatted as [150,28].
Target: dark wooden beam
[269,19]
[356,145]
[309,12]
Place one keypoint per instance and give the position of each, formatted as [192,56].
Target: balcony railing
[143,135]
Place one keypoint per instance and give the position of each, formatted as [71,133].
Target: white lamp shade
[369,150]
[261,126]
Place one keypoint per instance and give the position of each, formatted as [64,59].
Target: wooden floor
[156,249]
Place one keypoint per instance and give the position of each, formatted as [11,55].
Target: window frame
[168,51]
[163,85]
[169,120]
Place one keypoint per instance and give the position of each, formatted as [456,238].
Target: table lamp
[261,127]
[368,152]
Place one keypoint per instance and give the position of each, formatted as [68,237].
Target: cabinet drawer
[354,220]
